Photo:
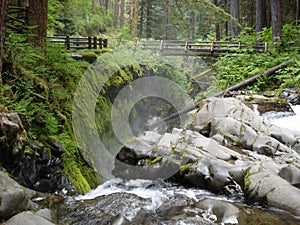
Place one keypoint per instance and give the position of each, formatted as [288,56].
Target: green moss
[247,180]
[89,56]
[185,169]
[155,160]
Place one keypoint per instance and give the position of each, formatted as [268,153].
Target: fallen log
[235,87]
[251,80]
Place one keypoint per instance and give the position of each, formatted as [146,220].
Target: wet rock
[28,218]
[262,185]
[267,102]
[13,198]
[177,154]
[56,147]
[232,122]
[291,95]
[31,163]
[224,211]
[291,174]
[45,213]
[120,220]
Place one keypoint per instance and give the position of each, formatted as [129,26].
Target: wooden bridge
[79,43]
[200,48]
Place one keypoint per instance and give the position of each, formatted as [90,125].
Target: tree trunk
[192,25]
[261,15]
[134,22]
[116,13]
[141,20]
[276,19]
[235,13]
[3,11]
[167,21]
[217,24]
[297,12]
[149,19]
[37,18]
[122,13]
[106,5]
[23,3]
[93,6]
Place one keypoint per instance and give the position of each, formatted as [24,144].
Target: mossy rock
[89,56]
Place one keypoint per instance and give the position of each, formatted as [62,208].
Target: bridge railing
[179,47]
[79,43]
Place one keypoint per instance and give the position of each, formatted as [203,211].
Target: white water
[290,122]
[157,192]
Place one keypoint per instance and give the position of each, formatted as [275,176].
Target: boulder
[28,218]
[13,198]
[230,121]
[32,164]
[272,190]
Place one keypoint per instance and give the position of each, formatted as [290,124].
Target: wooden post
[77,44]
[95,43]
[100,43]
[161,44]
[266,46]
[89,42]
[105,43]
[67,42]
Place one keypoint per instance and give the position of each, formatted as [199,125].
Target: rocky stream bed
[226,165]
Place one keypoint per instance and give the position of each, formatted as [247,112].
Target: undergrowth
[234,68]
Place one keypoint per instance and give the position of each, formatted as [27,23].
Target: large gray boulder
[13,198]
[228,120]
[28,218]
[274,191]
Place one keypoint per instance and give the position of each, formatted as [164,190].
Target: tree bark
[25,4]
[116,13]
[261,15]
[217,24]
[122,13]
[276,19]
[106,4]
[93,6]
[134,19]
[235,13]
[3,11]
[141,23]
[37,18]
[297,12]
[149,19]
[192,25]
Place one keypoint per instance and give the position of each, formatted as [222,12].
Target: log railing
[79,43]
[215,48]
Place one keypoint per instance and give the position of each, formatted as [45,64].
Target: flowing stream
[285,119]
[158,202]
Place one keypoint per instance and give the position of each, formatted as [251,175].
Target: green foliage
[40,84]
[235,68]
